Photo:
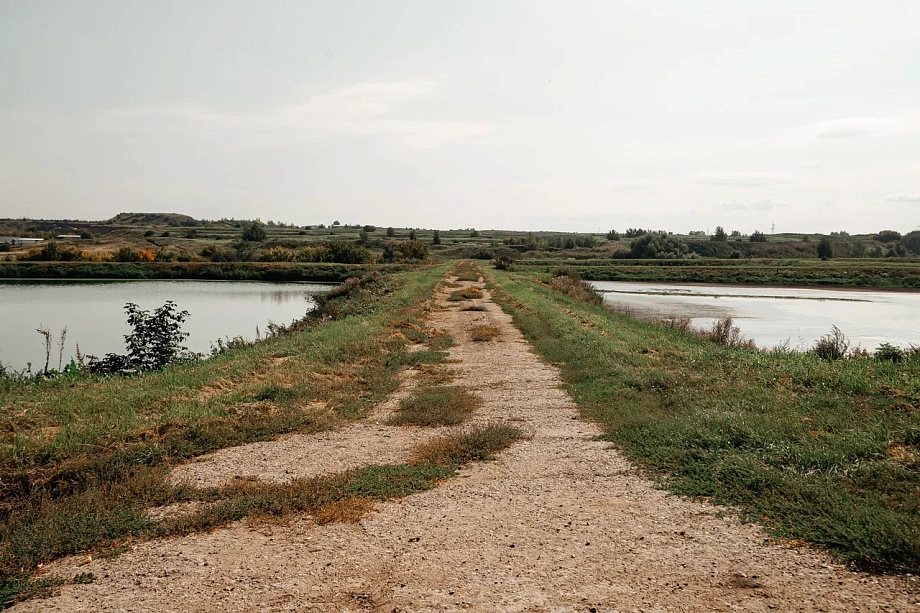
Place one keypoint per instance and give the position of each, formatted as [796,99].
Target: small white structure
[64,237]
[18,240]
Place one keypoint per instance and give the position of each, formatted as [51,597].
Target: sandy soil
[560,522]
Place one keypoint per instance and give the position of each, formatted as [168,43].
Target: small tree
[391,232]
[436,238]
[720,235]
[613,235]
[362,237]
[758,237]
[254,232]
[412,235]
[336,223]
[474,233]
[825,249]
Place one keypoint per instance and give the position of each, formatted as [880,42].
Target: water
[93,312]
[775,316]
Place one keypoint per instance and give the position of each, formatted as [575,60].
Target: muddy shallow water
[774,316]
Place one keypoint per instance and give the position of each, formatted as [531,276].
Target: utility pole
[773,228]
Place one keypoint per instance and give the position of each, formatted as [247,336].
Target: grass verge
[817,450]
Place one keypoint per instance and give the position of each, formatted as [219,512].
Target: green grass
[470,293]
[435,406]
[82,459]
[827,452]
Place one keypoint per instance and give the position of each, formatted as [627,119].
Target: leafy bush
[503,258]
[155,341]
[254,232]
[758,237]
[888,236]
[911,242]
[658,245]
[825,249]
[892,353]
[720,235]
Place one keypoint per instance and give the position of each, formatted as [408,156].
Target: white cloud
[365,109]
[855,127]
[903,198]
[744,179]
[751,205]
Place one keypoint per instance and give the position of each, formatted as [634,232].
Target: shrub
[148,233]
[888,236]
[613,235]
[758,237]
[254,232]
[126,254]
[503,259]
[577,288]
[832,346]
[155,341]
[911,242]
[658,245]
[720,235]
[825,249]
[725,332]
[892,353]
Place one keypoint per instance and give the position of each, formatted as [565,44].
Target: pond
[93,313]
[772,316]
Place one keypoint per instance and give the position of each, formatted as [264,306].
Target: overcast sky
[532,115]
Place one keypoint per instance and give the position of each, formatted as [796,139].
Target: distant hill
[152,219]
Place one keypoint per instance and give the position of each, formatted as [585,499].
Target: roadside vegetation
[83,457]
[443,405]
[817,446]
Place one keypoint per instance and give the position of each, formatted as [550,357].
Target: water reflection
[93,312]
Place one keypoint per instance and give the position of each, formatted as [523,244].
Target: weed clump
[832,346]
[484,333]
[475,307]
[576,288]
[725,332]
[435,406]
[470,293]
[473,444]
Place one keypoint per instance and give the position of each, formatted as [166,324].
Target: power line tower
[773,228]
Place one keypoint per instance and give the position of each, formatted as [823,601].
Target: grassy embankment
[84,459]
[889,273]
[210,271]
[826,452]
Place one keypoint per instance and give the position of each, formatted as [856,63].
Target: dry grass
[470,293]
[475,307]
[484,333]
[577,289]
[347,510]
[473,444]
[435,406]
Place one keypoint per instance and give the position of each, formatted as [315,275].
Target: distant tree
[370,229]
[391,232]
[888,236]
[336,223]
[436,238]
[474,233]
[735,233]
[911,242]
[191,233]
[758,237]
[613,235]
[658,245]
[165,234]
[412,235]
[149,233]
[362,237]
[634,232]
[825,249]
[254,232]
[720,236]
[85,235]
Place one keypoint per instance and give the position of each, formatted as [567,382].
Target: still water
[774,316]
[93,313]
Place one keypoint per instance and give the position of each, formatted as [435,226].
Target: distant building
[66,236]
[18,240]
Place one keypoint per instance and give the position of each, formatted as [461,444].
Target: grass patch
[474,444]
[817,450]
[435,406]
[470,293]
[483,333]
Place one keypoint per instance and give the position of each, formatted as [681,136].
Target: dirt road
[560,522]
